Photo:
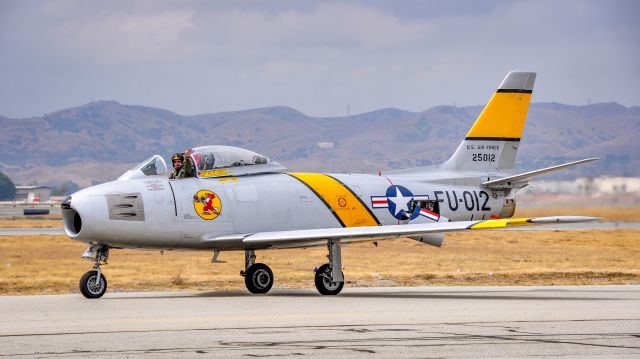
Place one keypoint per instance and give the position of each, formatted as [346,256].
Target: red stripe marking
[429,212]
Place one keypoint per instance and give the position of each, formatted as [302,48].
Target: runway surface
[422,322]
[18,210]
[30,231]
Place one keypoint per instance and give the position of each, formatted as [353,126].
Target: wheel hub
[93,287]
[327,282]
[261,279]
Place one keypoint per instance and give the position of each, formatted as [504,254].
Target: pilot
[182,166]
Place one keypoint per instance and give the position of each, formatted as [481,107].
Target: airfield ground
[51,264]
[399,322]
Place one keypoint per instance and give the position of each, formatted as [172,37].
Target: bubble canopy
[219,161]
[210,161]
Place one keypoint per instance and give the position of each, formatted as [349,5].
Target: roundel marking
[207,204]
[399,199]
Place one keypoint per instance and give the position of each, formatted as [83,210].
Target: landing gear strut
[258,277]
[93,284]
[329,278]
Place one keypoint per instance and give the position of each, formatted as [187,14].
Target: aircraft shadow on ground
[471,295]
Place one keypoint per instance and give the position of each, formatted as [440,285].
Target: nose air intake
[71,218]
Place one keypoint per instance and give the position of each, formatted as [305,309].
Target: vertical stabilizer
[492,142]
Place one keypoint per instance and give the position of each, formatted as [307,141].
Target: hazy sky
[202,56]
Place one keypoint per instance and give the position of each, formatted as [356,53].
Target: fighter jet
[243,201]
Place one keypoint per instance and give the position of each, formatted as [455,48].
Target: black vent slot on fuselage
[125,206]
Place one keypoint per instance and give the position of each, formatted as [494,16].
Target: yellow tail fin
[493,140]
[504,116]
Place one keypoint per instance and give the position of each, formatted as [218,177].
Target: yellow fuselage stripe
[348,208]
[503,117]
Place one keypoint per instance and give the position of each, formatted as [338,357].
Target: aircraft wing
[311,237]
[515,181]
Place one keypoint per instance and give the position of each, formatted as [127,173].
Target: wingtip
[564,219]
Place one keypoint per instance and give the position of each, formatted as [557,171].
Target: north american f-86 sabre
[238,200]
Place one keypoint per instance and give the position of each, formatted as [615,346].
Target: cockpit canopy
[210,161]
[219,161]
[152,166]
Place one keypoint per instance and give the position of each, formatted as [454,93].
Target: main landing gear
[329,278]
[258,277]
[93,284]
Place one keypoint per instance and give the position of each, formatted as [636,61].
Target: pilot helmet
[177,157]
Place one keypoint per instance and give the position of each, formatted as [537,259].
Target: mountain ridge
[70,144]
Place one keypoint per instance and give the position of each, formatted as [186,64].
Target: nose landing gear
[93,284]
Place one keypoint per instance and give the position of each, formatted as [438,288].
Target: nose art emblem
[207,204]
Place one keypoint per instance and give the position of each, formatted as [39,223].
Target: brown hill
[100,140]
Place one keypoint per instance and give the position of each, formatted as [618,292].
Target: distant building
[588,186]
[32,194]
[619,185]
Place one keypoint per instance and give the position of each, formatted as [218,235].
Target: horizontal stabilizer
[310,237]
[517,180]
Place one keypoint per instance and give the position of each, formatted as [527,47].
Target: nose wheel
[93,284]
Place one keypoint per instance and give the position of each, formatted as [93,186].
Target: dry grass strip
[52,264]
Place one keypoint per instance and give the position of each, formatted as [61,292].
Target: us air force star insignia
[400,202]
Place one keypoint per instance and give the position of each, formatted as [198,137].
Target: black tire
[323,281]
[88,286]
[258,278]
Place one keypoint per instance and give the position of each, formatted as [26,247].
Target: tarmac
[30,231]
[433,322]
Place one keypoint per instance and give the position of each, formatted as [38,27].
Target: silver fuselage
[157,213]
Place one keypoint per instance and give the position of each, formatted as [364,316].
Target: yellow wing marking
[501,223]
